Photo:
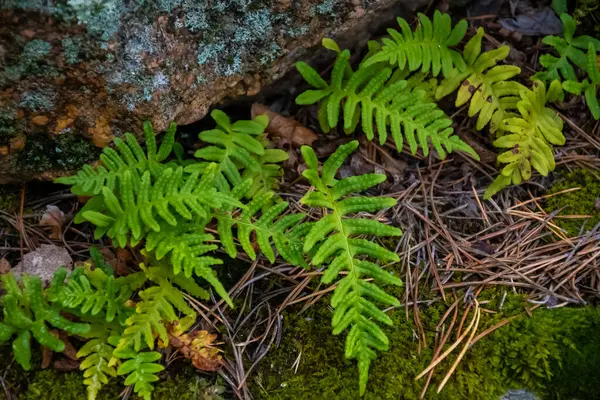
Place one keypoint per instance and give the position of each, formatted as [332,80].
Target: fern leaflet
[530,137]
[569,48]
[428,47]
[589,86]
[335,239]
[484,83]
[96,356]
[140,369]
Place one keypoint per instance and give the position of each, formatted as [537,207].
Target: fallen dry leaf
[198,347]
[4,266]
[55,218]
[288,130]
[70,354]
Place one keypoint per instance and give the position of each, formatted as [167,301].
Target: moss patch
[579,202]
[64,152]
[527,353]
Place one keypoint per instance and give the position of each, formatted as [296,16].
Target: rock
[43,262]
[75,74]
[519,394]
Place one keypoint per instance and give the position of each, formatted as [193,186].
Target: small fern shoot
[236,147]
[335,238]
[485,84]
[427,48]
[589,86]
[570,50]
[97,360]
[368,95]
[140,368]
[529,137]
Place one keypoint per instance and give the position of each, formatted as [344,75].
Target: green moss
[579,202]
[9,198]
[526,353]
[64,152]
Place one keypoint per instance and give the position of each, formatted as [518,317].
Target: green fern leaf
[141,370]
[26,314]
[427,48]
[589,86]
[237,147]
[129,157]
[336,239]
[398,110]
[570,50]
[270,229]
[483,83]
[96,357]
[107,299]
[156,308]
[267,177]
[172,196]
[530,137]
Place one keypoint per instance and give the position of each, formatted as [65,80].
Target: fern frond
[589,86]
[26,314]
[484,83]
[570,50]
[128,157]
[156,308]
[141,370]
[267,177]
[427,48]
[368,94]
[173,196]
[336,237]
[235,147]
[96,355]
[530,137]
[270,229]
[107,299]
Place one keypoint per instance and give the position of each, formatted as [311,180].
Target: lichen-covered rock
[44,262]
[76,73]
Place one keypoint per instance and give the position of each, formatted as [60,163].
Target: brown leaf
[288,130]
[55,218]
[198,347]
[65,364]
[46,357]
[70,351]
[4,266]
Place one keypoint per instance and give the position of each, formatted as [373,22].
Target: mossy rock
[96,69]
[543,354]
[585,201]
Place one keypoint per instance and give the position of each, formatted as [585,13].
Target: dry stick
[493,328]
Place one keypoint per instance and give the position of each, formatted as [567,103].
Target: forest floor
[539,240]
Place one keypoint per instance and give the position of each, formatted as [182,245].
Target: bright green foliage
[285,232]
[570,50]
[171,197]
[484,83]
[104,296]
[529,137]
[129,157]
[428,47]
[155,309]
[97,361]
[267,177]
[239,146]
[26,313]
[140,369]
[589,86]
[369,94]
[335,238]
